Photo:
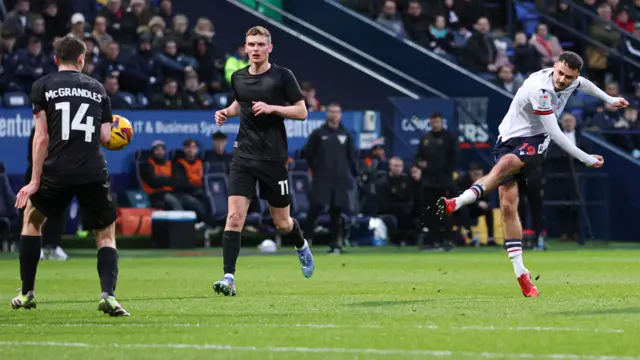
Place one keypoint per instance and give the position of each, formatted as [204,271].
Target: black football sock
[52,232]
[295,236]
[230,250]
[108,269]
[29,258]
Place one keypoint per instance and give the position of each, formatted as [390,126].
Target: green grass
[464,304]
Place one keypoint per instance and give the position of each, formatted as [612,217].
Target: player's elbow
[41,139]
[302,113]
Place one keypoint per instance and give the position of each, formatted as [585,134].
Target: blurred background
[419,86]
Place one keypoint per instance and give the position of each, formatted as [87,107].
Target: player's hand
[599,163]
[25,193]
[221,117]
[620,103]
[260,108]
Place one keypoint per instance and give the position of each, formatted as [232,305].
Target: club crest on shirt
[342,138]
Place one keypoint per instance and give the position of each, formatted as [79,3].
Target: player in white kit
[525,132]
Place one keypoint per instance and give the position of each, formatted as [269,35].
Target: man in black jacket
[331,156]
[437,157]
[395,196]
[480,208]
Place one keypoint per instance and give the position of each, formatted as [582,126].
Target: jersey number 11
[77,123]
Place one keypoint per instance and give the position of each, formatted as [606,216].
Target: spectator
[624,22]
[7,76]
[603,32]
[634,10]
[395,198]
[467,215]
[35,28]
[55,22]
[613,119]
[183,38]
[18,19]
[441,39]
[165,10]
[235,62]
[112,63]
[189,185]
[218,154]
[526,58]
[157,181]
[156,29]
[612,89]
[416,24]
[113,90]
[173,64]
[207,68]
[451,15]
[331,156]
[614,4]
[631,117]
[507,81]
[77,25]
[470,12]
[142,68]
[138,15]
[204,28]
[170,98]
[100,32]
[194,98]
[310,99]
[547,45]
[564,188]
[479,53]
[31,64]
[437,157]
[114,12]
[89,67]
[93,51]
[390,19]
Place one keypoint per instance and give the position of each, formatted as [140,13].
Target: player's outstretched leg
[512,229]
[108,271]
[291,233]
[30,239]
[231,242]
[507,165]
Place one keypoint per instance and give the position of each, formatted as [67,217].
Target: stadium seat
[256,211]
[221,100]
[299,187]
[143,101]
[217,188]
[528,18]
[130,99]
[14,99]
[574,102]
[138,199]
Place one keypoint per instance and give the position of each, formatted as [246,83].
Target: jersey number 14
[79,122]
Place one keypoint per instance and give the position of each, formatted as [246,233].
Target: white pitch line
[282,349]
[331,326]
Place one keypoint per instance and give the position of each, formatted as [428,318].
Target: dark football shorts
[96,204]
[272,177]
[531,150]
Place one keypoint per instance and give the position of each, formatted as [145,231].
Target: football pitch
[396,304]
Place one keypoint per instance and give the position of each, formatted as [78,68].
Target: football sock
[514,250]
[295,236]
[52,232]
[470,195]
[230,250]
[108,269]
[29,258]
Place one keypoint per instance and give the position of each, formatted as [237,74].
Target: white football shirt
[537,96]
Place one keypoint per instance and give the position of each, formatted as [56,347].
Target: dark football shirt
[263,137]
[76,106]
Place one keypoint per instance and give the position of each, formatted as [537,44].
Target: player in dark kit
[72,115]
[265,94]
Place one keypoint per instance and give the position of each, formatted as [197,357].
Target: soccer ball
[121,133]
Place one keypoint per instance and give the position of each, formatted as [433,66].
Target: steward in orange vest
[157,174]
[189,170]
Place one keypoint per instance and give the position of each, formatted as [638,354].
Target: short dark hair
[436,115]
[219,135]
[189,142]
[68,49]
[334,103]
[572,60]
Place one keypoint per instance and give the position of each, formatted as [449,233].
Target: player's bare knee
[106,237]
[235,221]
[32,221]
[283,224]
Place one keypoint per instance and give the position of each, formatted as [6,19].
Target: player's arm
[40,145]
[107,118]
[589,88]
[297,111]
[233,109]
[541,102]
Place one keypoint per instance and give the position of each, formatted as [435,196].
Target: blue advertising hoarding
[173,127]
